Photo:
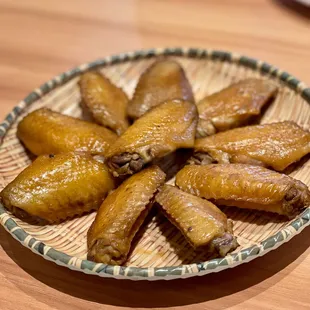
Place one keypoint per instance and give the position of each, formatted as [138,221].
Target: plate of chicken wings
[158,164]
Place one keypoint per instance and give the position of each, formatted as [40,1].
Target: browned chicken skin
[233,106]
[165,128]
[106,102]
[275,145]
[121,215]
[245,186]
[199,220]
[56,187]
[164,80]
[47,132]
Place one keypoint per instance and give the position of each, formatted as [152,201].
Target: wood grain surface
[40,39]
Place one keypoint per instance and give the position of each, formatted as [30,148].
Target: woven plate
[159,251]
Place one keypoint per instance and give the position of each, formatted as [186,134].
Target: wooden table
[42,38]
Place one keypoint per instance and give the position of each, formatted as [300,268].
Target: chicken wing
[233,106]
[199,220]
[56,187]
[47,132]
[164,80]
[245,186]
[106,102]
[121,215]
[165,128]
[275,145]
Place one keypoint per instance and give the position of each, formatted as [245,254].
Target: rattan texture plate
[159,251]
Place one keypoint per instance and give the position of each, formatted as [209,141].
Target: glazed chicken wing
[56,187]
[121,215]
[164,80]
[233,106]
[47,132]
[275,145]
[245,186]
[106,102]
[199,220]
[165,128]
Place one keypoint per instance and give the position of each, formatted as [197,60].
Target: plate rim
[154,273]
